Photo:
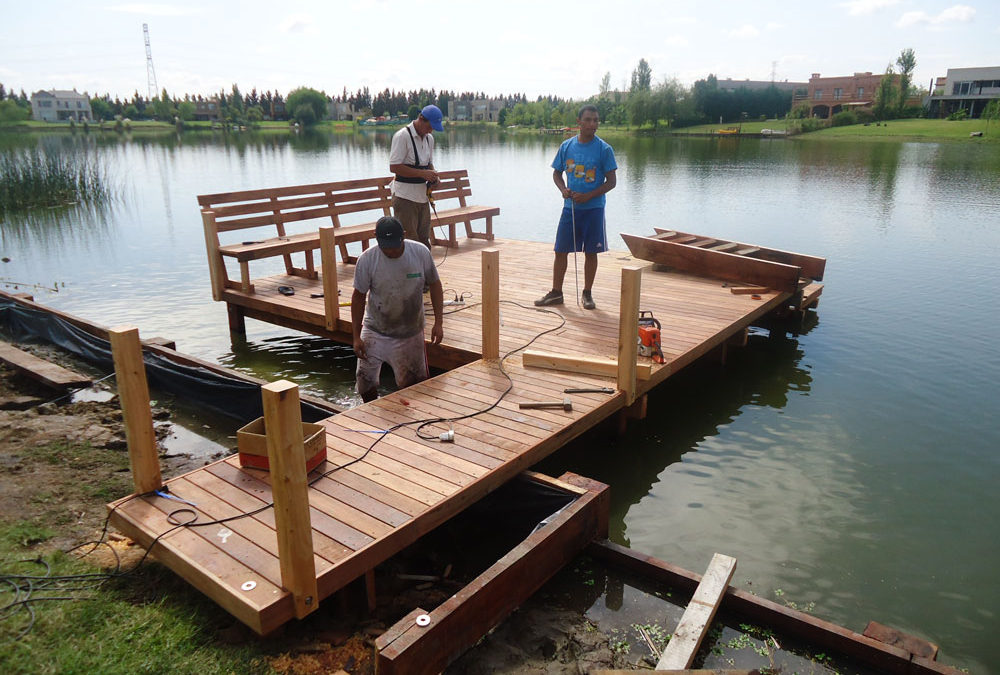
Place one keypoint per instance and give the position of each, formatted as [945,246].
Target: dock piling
[491,304]
[133,393]
[328,260]
[628,331]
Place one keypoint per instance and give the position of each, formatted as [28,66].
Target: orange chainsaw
[649,337]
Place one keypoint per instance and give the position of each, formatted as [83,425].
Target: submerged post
[491,304]
[328,259]
[628,331]
[133,394]
[286,457]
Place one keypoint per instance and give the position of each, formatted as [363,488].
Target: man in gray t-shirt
[387,308]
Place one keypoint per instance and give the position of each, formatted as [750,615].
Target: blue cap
[432,114]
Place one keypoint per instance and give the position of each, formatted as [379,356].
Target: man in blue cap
[411,161]
[388,282]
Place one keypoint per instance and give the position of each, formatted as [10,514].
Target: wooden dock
[393,491]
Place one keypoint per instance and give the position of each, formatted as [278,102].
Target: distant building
[58,105]
[207,110]
[475,110]
[964,88]
[341,111]
[828,96]
[761,85]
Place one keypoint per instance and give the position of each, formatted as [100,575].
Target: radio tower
[150,72]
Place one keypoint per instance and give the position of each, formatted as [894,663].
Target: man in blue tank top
[590,169]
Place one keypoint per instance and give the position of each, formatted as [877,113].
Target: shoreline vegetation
[911,129]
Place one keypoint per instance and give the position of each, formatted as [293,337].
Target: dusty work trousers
[406,356]
[416,219]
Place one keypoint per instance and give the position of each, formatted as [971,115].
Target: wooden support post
[237,322]
[133,393]
[370,590]
[286,456]
[628,331]
[216,266]
[697,618]
[491,304]
[328,259]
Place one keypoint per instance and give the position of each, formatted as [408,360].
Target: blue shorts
[590,235]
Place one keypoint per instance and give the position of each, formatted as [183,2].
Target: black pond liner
[228,396]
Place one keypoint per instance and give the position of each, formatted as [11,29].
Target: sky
[531,48]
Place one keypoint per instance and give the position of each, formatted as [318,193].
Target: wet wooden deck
[404,486]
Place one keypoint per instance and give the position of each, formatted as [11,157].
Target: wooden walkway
[403,486]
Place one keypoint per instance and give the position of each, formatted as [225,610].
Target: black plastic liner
[197,386]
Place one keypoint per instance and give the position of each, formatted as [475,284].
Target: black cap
[389,232]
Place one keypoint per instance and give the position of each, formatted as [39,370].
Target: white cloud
[744,31]
[675,41]
[865,7]
[297,23]
[151,9]
[773,25]
[961,13]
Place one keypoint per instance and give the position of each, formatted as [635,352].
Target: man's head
[389,235]
[430,118]
[588,119]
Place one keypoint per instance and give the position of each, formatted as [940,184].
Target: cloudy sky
[498,47]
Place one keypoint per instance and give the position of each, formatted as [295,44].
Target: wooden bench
[245,212]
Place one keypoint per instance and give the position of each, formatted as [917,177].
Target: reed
[32,179]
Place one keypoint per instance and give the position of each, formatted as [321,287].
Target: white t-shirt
[401,152]
[395,287]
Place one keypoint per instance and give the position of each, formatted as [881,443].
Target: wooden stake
[286,456]
[216,267]
[628,331]
[328,259]
[491,304]
[133,393]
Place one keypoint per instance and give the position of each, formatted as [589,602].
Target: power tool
[649,337]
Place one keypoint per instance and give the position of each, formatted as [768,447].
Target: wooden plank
[286,455]
[717,264]
[897,638]
[697,618]
[133,392]
[464,618]
[331,291]
[748,290]
[628,331]
[46,372]
[491,304]
[606,367]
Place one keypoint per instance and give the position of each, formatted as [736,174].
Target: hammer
[565,404]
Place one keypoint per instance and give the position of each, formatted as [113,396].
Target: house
[828,96]
[964,89]
[59,105]
[207,110]
[341,110]
[475,110]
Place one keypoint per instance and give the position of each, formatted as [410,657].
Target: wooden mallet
[565,404]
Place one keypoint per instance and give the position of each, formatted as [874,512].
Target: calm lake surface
[852,465]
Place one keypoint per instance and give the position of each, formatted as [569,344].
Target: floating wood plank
[716,264]
[697,618]
[46,372]
[592,365]
[897,638]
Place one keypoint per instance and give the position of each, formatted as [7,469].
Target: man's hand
[359,349]
[566,192]
[430,175]
[437,332]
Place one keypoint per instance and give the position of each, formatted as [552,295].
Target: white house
[57,105]
[968,88]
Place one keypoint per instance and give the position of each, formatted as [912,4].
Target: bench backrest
[453,185]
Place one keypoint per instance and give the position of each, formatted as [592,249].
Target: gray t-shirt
[395,286]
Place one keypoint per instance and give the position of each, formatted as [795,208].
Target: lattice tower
[154,91]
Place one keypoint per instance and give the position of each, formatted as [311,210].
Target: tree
[991,113]
[413,112]
[101,109]
[906,61]
[642,77]
[304,97]
[10,111]
[884,95]
[606,84]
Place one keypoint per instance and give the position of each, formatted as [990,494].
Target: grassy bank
[915,129]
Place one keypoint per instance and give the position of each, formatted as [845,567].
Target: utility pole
[150,72]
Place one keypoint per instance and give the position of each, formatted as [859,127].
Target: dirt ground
[46,446]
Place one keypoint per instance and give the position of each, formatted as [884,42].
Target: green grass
[915,129]
[31,179]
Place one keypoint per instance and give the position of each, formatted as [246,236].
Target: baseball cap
[388,232]
[432,114]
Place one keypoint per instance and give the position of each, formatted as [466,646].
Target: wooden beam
[216,266]
[328,260]
[628,331]
[748,290]
[591,365]
[286,456]
[43,371]
[133,393]
[897,638]
[697,618]
[491,304]
[715,264]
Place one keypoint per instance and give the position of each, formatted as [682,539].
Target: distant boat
[773,132]
[728,131]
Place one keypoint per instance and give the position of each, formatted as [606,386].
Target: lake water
[851,465]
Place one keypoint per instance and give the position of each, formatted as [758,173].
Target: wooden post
[628,331]
[286,456]
[237,321]
[133,394]
[216,267]
[491,304]
[328,259]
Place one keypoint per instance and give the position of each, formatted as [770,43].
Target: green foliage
[906,61]
[844,118]
[101,109]
[799,112]
[884,96]
[502,117]
[31,178]
[413,112]
[642,77]
[185,110]
[714,104]
[10,111]
[958,115]
[864,115]
[303,98]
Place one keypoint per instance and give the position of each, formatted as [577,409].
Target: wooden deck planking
[399,488]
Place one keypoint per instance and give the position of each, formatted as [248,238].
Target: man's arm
[437,302]
[358,300]
[404,171]
[557,178]
[610,181]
